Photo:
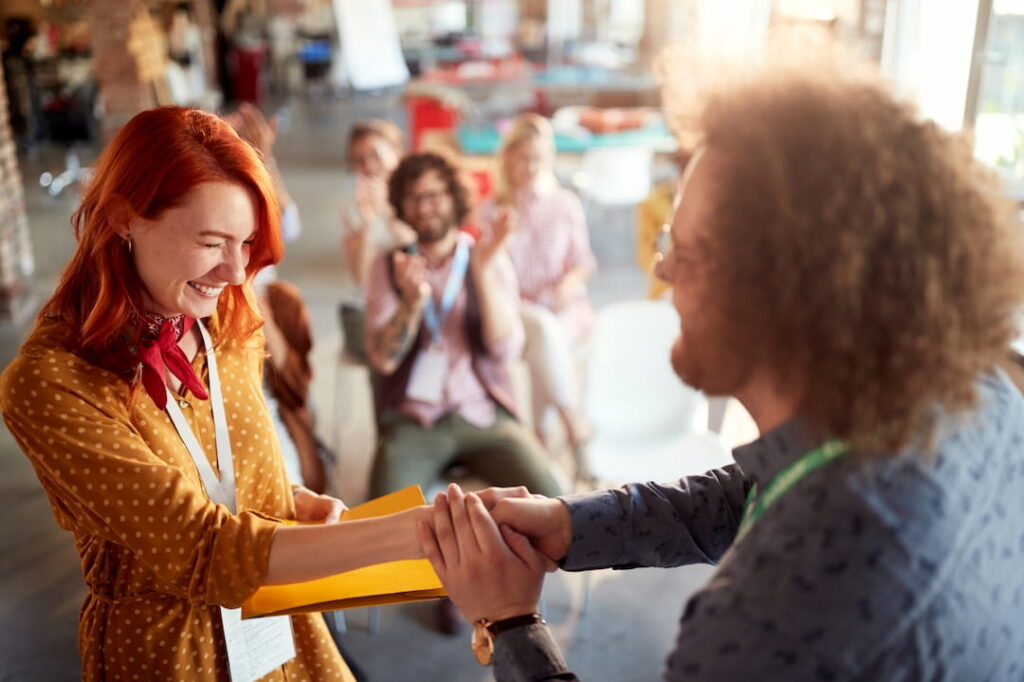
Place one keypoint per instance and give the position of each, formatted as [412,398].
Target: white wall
[733,27]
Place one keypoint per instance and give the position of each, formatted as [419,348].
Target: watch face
[483,644]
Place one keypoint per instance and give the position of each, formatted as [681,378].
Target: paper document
[389,583]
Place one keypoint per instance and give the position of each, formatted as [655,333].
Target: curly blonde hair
[861,252]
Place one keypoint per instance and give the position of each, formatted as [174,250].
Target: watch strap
[505,624]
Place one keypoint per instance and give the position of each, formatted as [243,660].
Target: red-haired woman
[137,398]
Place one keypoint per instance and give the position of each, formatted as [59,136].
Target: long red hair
[149,167]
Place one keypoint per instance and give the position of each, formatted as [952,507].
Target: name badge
[256,646]
[426,382]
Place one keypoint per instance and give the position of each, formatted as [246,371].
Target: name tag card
[256,646]
[426,381]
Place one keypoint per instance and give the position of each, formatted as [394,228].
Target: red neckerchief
[159,353]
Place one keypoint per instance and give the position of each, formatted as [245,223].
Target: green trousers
[503,454]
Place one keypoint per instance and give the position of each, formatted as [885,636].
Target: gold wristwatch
[485,632]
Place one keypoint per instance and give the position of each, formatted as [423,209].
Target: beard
[684,365]
[428,232]
[707,367]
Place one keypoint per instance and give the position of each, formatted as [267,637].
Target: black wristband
[500,626]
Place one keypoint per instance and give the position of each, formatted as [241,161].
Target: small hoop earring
[128,242]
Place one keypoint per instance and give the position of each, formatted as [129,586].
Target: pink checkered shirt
[552,240]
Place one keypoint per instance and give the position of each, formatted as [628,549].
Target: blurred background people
[368,223]
[443,323]
[550,250]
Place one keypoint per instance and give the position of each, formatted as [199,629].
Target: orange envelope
[389,583]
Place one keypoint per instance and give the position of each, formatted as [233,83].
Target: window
[999,121]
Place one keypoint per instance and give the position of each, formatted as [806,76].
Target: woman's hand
[489,571]
[311,507]
[371,198]
[569,288]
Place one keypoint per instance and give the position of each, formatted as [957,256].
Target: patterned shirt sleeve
[529,654]
[626,527]
[636,525]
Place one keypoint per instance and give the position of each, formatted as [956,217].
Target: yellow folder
[389,583]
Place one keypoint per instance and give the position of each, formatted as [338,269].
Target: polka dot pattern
[158,557]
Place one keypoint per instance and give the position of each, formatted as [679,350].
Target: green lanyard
[756,505]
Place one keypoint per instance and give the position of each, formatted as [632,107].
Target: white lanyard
[258,646]
[222,490]
[434,316]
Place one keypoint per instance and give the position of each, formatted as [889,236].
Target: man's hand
[505,224]
[311,507]
[544,520]
[491,496]
[411,277]
[489,571]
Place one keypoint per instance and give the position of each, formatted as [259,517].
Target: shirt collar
[538,190]
[765,457]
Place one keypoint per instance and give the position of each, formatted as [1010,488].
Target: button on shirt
[907,567]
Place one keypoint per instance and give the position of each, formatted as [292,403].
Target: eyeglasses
[663,243]
[432,197]
[668,256]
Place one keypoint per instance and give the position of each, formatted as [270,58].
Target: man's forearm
[498,316]
[390,344]
[648,524]
[530,653]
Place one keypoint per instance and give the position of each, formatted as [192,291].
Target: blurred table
[484,139]
[559,86]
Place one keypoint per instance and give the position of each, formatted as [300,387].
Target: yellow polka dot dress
[158,557]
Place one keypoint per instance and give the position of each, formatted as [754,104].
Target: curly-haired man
[852,276]
[442,324]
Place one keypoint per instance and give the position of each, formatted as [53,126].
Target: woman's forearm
[300,553]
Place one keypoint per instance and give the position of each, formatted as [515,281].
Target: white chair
[351,391]
[643,415]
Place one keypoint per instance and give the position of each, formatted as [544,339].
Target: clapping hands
[371,198]
[411,277]
[505,225]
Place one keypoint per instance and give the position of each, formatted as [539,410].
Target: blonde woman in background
[553,261]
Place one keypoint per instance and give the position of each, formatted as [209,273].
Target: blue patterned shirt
[909,567]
